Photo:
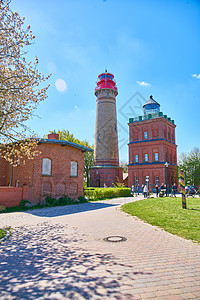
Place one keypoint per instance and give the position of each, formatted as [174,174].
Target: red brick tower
[106,168]
[151,145]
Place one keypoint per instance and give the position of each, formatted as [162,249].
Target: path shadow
[68,209]
[48,262]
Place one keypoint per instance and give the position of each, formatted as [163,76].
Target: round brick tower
[106,168]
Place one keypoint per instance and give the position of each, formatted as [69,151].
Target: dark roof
[64,143]
[151,101]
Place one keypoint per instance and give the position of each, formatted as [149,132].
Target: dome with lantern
[151,106]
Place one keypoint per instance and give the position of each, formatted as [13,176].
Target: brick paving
[59,253]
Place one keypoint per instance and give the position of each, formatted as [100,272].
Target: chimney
[53,136]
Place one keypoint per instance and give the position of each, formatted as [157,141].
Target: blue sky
[151,47]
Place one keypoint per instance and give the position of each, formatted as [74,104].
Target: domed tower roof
[151,106]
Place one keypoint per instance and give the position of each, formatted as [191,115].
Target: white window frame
[73,169]
[157,180]
[46,166]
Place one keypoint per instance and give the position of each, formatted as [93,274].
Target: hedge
[99,193]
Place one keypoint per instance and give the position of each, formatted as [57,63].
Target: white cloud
[197,76]
[60,85]
[142,83]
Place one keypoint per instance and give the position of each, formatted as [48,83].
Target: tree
[190,163]
[88,156]
[123,164]
[19,86]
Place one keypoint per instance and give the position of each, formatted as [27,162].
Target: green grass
[2,233]
[168,214]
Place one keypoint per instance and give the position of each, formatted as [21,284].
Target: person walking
[138,189]
[157,190]
[145,191]
[132,190]
[165,187]
[174,188]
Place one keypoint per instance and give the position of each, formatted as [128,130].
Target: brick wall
[11,196]
[161,140]
[58,184]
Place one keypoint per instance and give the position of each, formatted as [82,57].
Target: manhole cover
[115,239]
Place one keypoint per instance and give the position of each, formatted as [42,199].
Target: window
[46,166]
[156,180]
[146,157]
[156,156]
[136,180]
[136,158]
[169,135]
[18,161]
[146,135]
[99,138]
[115,127]
[73,169]
[17,183]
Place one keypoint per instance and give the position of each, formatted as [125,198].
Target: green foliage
[190,163]
[24,201]
[168,214]
[82,199]
[123,164]
[2,233]
[58,202]
[118,185]
[100,193]
[65,135]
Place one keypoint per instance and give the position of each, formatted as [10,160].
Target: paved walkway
[59,253]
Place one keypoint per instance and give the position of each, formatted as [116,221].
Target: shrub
[24,201]
[100,193]
[82,199]
[58,202]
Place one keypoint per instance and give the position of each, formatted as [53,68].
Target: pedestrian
[165,187]
[157,190]
[145,191]
[174,188]
[132,190]
[138,189]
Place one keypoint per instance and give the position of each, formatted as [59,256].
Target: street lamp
[167,165]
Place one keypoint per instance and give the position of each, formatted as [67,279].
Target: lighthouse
[106,170]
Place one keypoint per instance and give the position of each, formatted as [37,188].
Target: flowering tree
[19,86]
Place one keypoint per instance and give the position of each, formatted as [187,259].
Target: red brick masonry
[12,196]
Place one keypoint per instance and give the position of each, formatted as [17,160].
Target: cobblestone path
[59,253]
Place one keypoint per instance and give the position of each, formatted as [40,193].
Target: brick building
[57,171]
[151,145]
[106,168]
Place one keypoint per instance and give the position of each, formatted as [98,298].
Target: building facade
[106,168]
[57,171]
[152,148]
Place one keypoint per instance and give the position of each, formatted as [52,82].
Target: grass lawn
[168,214]
[2,233]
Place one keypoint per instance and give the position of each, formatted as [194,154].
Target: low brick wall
[11,196]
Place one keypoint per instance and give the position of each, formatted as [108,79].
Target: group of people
[163,188]
[135,190]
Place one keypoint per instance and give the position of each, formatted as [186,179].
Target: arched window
[46,166]
[74,169]
[99,137]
